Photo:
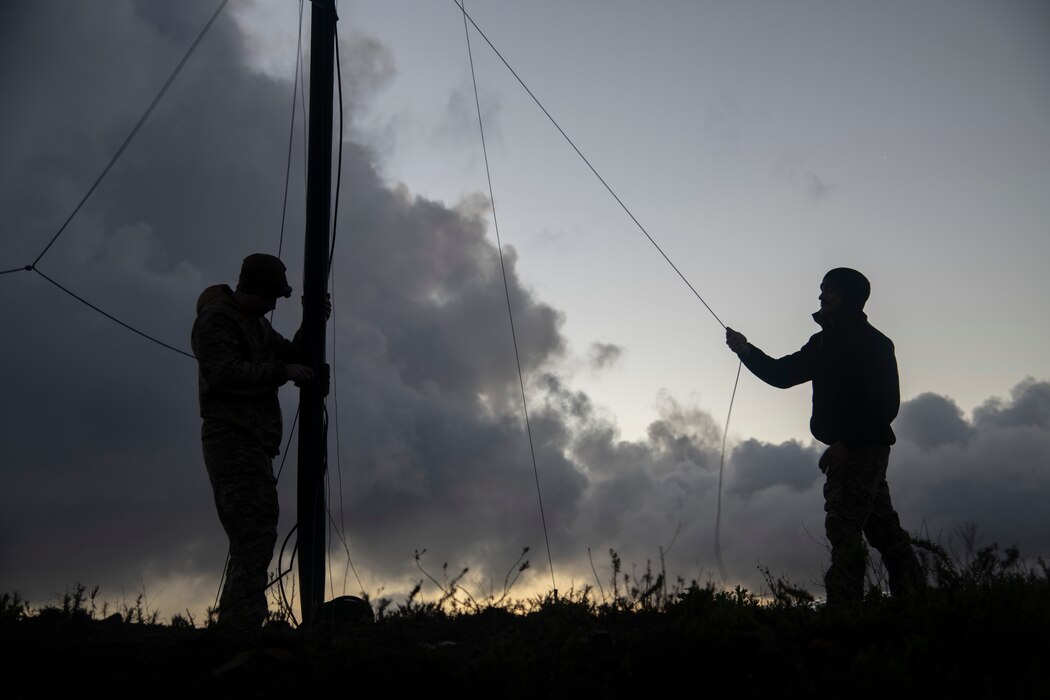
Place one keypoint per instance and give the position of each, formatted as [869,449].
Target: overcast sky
[760,143]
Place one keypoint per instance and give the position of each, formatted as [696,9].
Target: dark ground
[969,642]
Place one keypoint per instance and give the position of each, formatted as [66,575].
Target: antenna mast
[312,438]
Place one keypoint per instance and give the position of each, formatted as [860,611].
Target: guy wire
[135,130]
[291,132]
[340,529]
[506,289]
[721,469]
[116,320]
[466,17]
[587,162]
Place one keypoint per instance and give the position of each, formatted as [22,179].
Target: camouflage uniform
[241,362]
[241,475]
[857,500]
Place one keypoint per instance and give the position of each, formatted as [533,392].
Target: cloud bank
[104,480]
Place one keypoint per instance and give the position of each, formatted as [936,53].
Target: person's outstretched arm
[788,371]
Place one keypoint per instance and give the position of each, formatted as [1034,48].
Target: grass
[977,631]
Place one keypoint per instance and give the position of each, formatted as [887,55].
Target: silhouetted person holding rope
[856,395]
[242,361]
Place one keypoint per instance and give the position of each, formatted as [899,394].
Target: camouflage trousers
[245,489]
[857,501]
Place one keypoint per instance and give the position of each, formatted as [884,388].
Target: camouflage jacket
[241,363]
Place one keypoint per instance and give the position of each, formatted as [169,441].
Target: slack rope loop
[288,444]
[339,159]
[506,289]
[287,606]
[222,579]
[340,528]
[721,469]
[135,130]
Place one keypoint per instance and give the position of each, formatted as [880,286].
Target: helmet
[263,274]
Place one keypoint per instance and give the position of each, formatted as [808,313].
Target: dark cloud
[104,473]
[1029,407]
[999,478]
[105,476]
[758,466]
[368,66]
[604,355]
[104,480]
[930,420]
[945,471]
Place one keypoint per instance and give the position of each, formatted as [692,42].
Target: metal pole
[312,447]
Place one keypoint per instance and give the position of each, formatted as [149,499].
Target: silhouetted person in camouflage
[242,361]
[856,395]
